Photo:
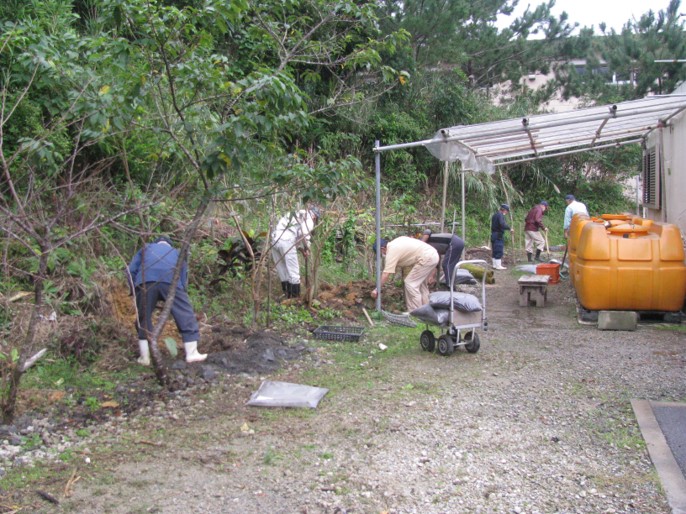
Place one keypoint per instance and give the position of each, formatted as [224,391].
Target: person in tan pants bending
[421,258]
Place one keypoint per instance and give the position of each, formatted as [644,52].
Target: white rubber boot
[144,349]
[192,354]
[499,265]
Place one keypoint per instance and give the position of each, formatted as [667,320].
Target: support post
[445,194]
[377,164]
[464,215]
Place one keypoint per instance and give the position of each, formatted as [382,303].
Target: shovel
[307,278]
[547,248]
[562,265]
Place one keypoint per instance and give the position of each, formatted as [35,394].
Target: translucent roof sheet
[482,146]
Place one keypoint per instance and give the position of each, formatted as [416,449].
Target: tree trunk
[9,402]
[160,371]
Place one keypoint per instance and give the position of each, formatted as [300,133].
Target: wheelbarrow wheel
[427,340]
[445,345]
[474,345]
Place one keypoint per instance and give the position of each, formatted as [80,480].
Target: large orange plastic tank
[635,264]
[578,222]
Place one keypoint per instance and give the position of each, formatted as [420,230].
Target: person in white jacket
[292,233]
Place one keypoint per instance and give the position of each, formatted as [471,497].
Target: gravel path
[538,421]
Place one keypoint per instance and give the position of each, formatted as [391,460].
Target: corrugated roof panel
[548,135]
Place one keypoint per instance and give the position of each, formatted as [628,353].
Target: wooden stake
[366,314]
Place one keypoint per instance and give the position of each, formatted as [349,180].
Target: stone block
[617,320]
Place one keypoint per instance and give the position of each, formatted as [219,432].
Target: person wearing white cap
[292,233]
[574,206]
[498,228]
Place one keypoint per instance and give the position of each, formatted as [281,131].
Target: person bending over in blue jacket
[152,270]
[449,246]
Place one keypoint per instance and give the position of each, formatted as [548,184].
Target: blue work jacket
[155,263]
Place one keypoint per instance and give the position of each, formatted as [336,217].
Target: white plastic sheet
[285,394]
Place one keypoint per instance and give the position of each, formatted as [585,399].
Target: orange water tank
[577,224]
[637,264]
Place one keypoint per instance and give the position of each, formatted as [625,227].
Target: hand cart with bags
[460,314]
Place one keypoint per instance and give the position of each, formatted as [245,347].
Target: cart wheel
[428,341]
[474,346]
[445,345]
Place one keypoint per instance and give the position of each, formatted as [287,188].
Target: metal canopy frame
[484,146]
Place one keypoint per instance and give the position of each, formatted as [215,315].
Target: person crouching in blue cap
[498,228]
[152,270]
[449,247]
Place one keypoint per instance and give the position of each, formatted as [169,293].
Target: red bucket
[549,269]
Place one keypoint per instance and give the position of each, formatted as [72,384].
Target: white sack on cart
[428,314]
[461,301]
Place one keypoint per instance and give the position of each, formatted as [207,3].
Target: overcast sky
[615,13]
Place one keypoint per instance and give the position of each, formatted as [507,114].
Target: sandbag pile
[437,311]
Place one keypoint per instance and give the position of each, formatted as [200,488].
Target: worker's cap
[428,232]
[164,239]
[543,202]
[505,207]
[382,244]
[316,211]
[570,197]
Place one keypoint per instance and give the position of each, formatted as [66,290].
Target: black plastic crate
[339,333]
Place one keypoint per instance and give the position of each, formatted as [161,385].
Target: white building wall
[674,173]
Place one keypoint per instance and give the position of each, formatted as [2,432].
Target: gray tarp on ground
[285,394]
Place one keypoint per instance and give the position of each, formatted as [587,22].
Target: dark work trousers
[452,256]
[498,245]
[147,296]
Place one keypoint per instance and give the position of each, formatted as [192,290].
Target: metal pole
[569,152]
[377,163]
[464,216]
[638,212]
[445,194]
[659,156]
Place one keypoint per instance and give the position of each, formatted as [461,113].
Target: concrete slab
[617,320]
[671,417]
[665,439]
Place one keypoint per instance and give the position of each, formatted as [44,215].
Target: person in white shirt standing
[292,233]
[573,207]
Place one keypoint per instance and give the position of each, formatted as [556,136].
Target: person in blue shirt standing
[152,270]
[498,228]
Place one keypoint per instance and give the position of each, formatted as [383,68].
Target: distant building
[537,80]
